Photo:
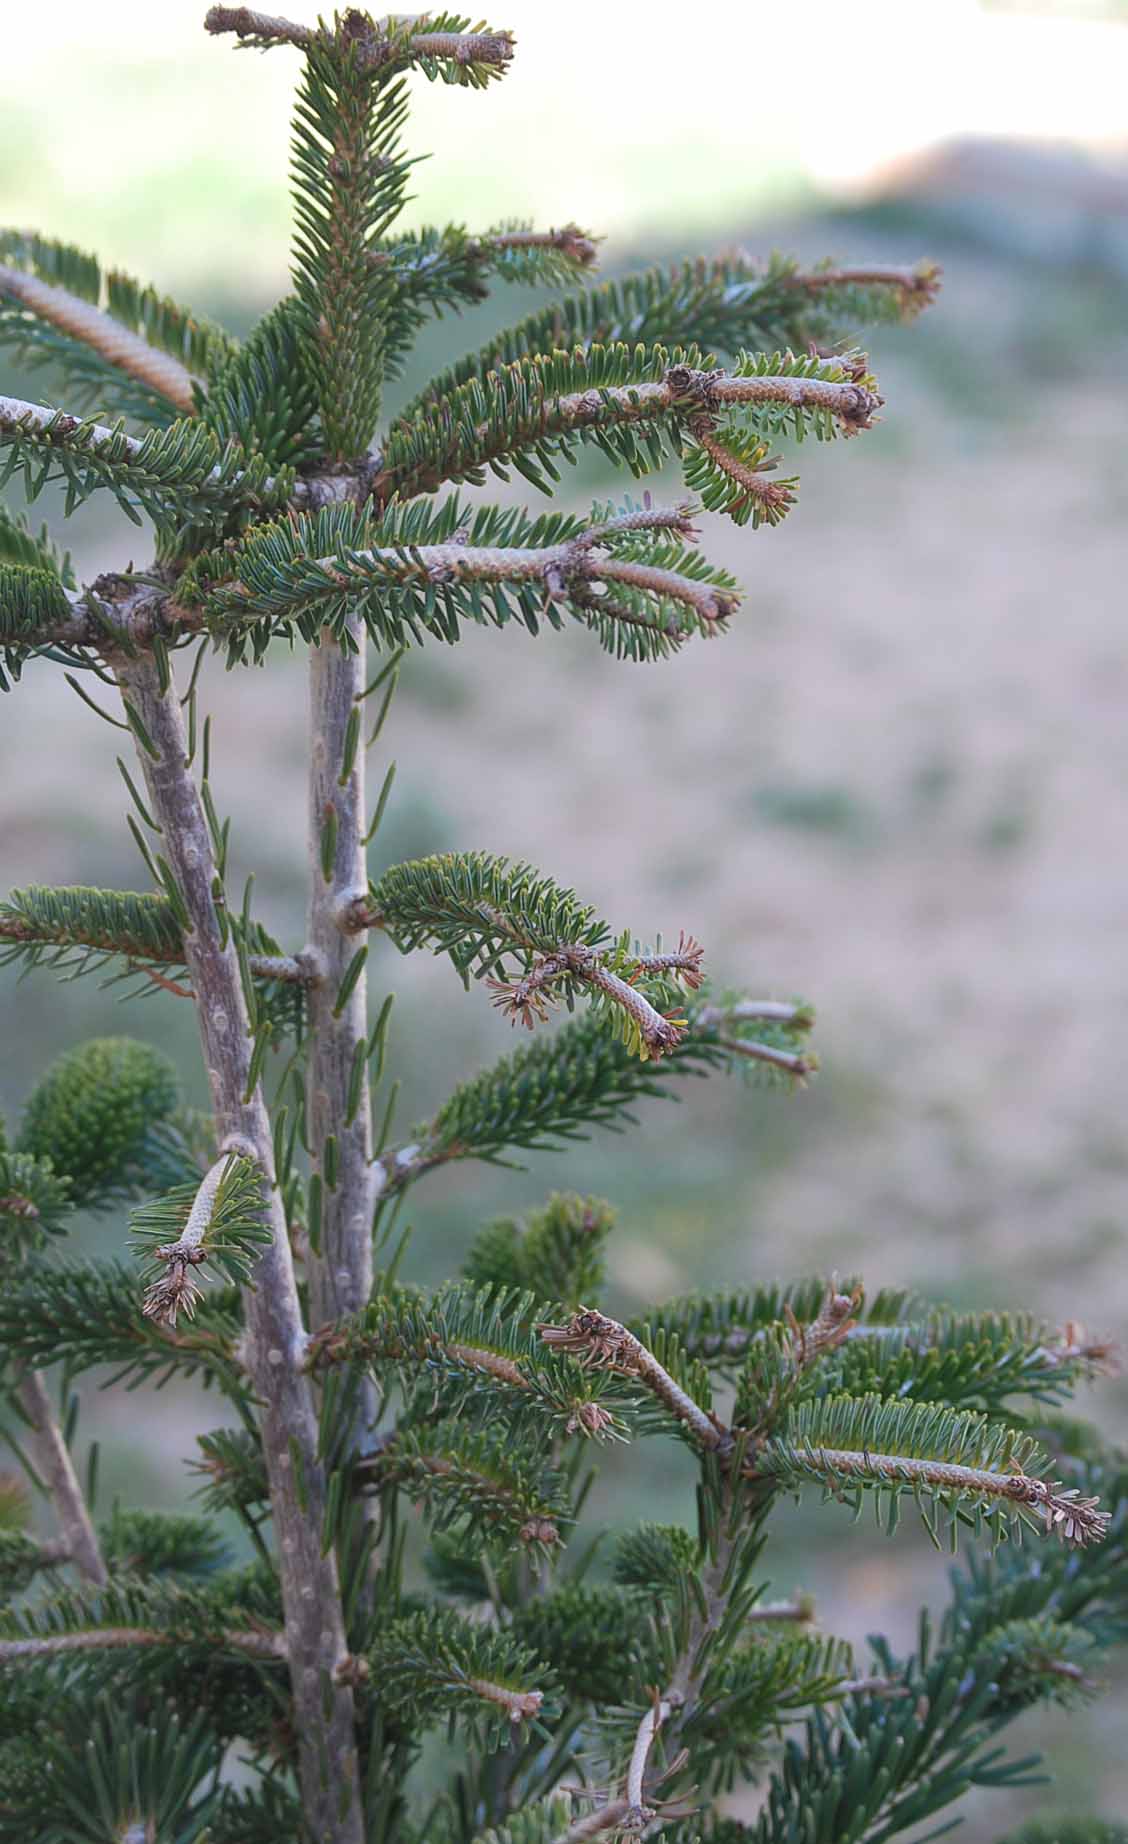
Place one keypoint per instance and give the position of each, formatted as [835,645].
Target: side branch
[798,1064]
[1066,1514]
[374,52]
[918,287]
[81,920]
[118,610]
[561,567]
[681,389]
[105,335]
[527,998]
[605,1342]
[604,1818]
[176,1290]
[164,462]
[53,1462]
[570,241]
[116,1638]
[638,1814]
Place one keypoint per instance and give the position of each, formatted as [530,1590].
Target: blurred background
[898,787]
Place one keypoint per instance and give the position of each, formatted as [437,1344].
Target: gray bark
[276,1338]
[340,1278]
[53,1464]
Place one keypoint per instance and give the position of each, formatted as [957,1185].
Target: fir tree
[134,1653]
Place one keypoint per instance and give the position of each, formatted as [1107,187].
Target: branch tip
[604,1343]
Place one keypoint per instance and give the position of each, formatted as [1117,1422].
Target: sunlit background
[899,787]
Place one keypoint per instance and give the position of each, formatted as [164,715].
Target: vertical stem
[53,1463]
[340,1269]
[338,1117]
[276,1338]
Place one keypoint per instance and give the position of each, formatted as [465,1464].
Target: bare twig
[245,22]
[639,1813]
[53,1463]
[604,1818]
[797,1063]
[775,1011]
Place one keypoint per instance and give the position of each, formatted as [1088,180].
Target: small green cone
[92,1112]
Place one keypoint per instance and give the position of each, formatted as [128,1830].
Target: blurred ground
[897,787]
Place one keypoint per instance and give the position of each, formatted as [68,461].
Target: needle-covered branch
[869,294]
[89,1313]
[632,576]
[557,1088]
[172,474]
[109,338]
[480,1342]
[132,1638]
[981,1360]
[459,1473]
[435,1663]
[116,344]
[78,929]
[432,271]
[350,177]
[636,403]
[964,1463]
[602,1342]
[493,917]
[219,1222]
[727,306]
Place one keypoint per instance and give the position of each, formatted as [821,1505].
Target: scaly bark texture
[276,1338]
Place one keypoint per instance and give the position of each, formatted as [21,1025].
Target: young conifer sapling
[366,1423]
